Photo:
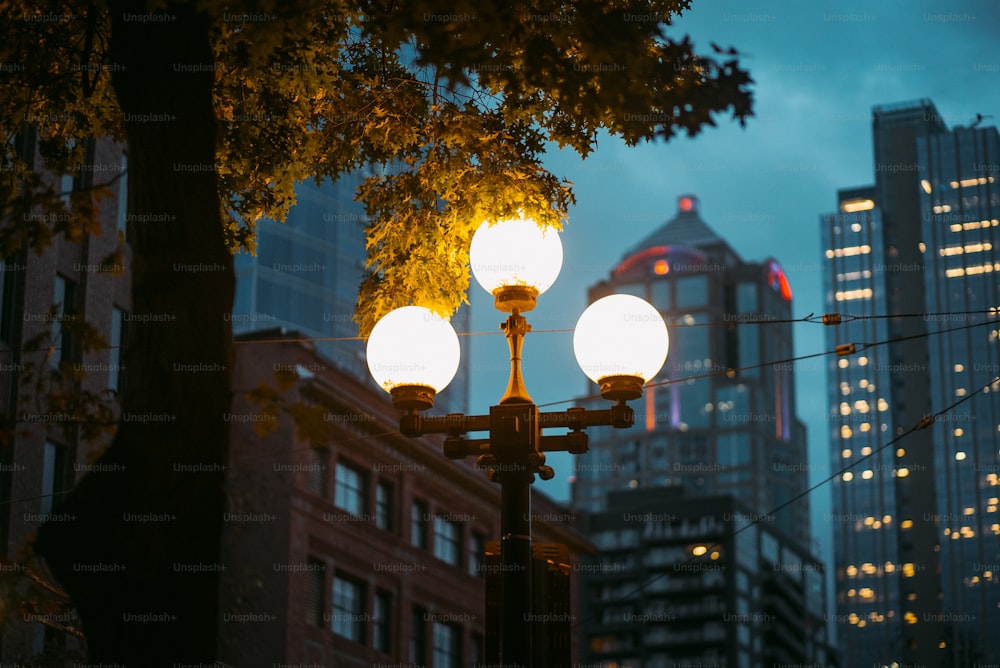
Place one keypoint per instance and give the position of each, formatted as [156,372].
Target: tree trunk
[140,560]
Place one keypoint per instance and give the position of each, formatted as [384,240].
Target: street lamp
[620,342]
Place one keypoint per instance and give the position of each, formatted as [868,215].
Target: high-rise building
[305,276]
[915,531]
[702,560]
[686,582]
[718,419]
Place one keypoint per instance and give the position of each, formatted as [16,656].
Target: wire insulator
[831,318]
[845,349]
[925,422]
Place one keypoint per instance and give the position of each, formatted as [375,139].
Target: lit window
[848,476]
[850,295]
[845,453]
[865,451]
[867,474]
[854,205]
[958,431]
[845,431]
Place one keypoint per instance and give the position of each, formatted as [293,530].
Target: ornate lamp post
[620,342]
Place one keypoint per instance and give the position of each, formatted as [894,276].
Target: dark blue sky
[819,67]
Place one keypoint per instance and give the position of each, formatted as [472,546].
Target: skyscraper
[700,561]
[720,421]
[916,533]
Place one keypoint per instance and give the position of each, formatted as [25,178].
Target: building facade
[718,419]
[701,558]
[697,581]
[372,549]
[916,533]
[44,298]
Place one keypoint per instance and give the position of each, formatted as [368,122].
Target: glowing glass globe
[620,340]
[515,252]
[412,347]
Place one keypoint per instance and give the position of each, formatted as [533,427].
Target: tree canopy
[224,107]
[454,105]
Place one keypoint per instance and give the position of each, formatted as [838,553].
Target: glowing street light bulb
[413,354]
[515,260]
[621,342]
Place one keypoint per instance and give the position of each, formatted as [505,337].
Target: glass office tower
[306,274]
[915,530]
[719,419]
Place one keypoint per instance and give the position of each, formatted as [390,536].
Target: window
[67,184]
[418,637]
[381,623]
[348,616]
[418,525]
[447,649]
[55,475]
[349,492]
[115,376]
[477,553]
[447,540]
[746,297]
[383,506]
[123,195]
[317,474]
[692,292]
[62,342]
[313,598]
[8,315]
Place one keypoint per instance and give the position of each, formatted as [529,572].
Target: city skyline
[818,75]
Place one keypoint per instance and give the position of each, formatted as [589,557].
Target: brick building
[42,295]
[369,551]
